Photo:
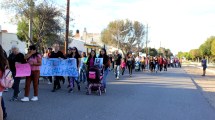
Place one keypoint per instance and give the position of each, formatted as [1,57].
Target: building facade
[7,40]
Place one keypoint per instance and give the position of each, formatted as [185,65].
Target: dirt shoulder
[206,84]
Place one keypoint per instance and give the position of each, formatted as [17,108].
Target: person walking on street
[204,65]
[75,54]
[83,68]
[14,58]
[56,54]
[106,65]
[130,63]
[47,55]
[35,61]
[123,65]
[160,61]
[117,61]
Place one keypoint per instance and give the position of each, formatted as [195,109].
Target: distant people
[130,63]
[142,63]
[14,58]
[35,61]
[57,54]
[160,61]
[165,62]
[204,65]
[123,65]
[117,61]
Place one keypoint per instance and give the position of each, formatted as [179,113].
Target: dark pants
[3,107]
[123,70]
[161,67]
[130,69]
[16,85]
[50,79]
[57,82]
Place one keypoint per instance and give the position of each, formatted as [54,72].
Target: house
[7,40]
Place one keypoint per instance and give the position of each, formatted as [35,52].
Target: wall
[9,40]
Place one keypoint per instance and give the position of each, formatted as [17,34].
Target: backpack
[7,80]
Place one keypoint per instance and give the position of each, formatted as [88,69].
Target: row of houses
[84,42]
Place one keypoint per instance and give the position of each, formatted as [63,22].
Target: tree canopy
[124,34]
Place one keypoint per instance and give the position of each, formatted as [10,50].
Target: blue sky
[180,25]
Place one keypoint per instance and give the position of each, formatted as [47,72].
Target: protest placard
[59,67]
[99,62]
[23,70]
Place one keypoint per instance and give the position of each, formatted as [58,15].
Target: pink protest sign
[23,70]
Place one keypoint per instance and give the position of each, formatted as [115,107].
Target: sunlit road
[167,95]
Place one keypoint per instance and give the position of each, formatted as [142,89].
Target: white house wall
[9,40]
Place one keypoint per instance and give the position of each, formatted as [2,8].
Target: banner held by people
[59,67]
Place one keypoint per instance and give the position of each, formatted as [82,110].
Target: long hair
[105,52]
[3,60]
[33,47]
[76,51]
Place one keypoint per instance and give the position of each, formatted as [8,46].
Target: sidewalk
[206,84]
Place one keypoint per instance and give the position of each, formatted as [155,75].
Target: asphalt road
[167,95]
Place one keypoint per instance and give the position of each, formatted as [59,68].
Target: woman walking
[106,65]
[83,68]
[35,60]
[72,79]
[130,62]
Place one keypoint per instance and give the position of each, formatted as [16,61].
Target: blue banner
[59,67]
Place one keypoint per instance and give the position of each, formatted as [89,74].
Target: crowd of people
[115,62]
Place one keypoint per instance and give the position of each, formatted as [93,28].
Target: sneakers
[49,83]
[25,99]
[79,87]
[53,90]
[70,90]
[117,78]
[35,98]
[14,99]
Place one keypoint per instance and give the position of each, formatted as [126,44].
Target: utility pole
[146,39]
[67,27]
[30,34]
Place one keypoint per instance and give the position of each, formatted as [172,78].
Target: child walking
[123,65]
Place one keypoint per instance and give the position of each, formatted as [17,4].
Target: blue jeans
[83,75]
[16,85]
[71,81]
[105,77]
[117,70]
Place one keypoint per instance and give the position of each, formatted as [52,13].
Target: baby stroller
[94,77]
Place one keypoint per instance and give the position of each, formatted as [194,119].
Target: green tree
[124,34]
[46,20]
[205,48]
[213,47]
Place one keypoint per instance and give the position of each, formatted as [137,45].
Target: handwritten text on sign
[23,70]
[59,67]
